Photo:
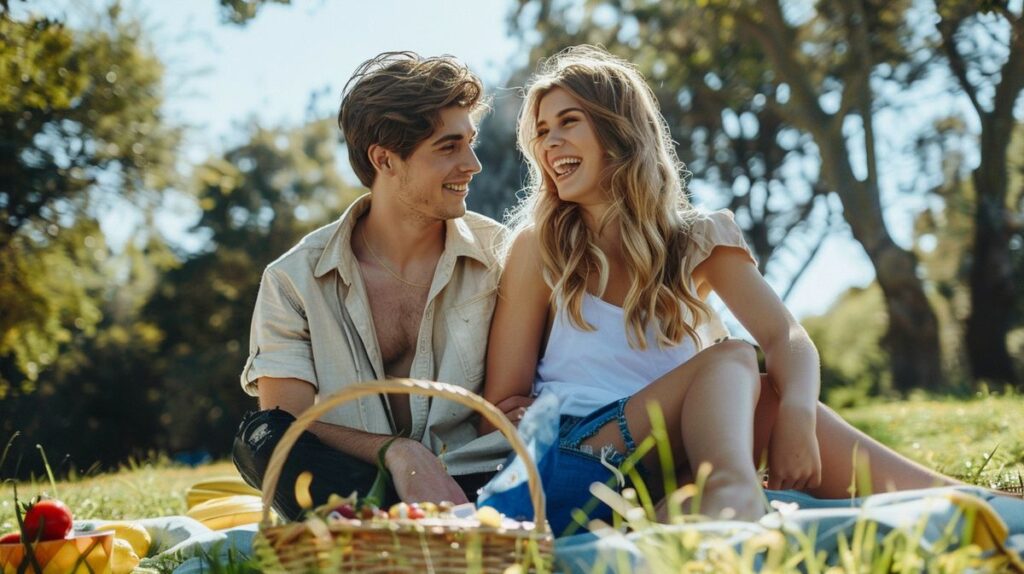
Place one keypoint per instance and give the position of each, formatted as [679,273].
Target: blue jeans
[578,466]
[573,430]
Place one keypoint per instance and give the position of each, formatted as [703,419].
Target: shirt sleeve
[279,344]
[715,229]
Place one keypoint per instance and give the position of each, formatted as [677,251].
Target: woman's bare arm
[517,330]
[790,357]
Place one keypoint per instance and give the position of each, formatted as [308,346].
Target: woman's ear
[381,158]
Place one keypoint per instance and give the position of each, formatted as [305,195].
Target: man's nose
[472,163]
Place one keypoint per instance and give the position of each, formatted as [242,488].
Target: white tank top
[589,369]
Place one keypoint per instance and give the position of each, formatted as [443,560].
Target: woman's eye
[568,121]
[542,132]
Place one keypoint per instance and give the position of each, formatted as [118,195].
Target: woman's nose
[552,140]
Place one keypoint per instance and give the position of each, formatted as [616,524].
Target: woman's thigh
[668,394]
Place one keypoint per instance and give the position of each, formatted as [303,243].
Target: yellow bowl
[90,550]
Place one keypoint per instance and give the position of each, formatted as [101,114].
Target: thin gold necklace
[362,233]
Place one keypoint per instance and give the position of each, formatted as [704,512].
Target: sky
[220,76]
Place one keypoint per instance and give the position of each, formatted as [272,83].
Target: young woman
[602,304]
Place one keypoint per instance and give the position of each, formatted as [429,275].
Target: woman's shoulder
[523,242]
[707,230]
[523,250]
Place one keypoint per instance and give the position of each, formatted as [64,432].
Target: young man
[402,285]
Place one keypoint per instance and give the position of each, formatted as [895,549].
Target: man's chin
[456,213]
[454,209]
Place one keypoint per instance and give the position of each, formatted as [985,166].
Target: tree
[241,11]
[80,124]
[729,135]
[983,45]
[812,67]
[257,201]
[945,235]
[494,191]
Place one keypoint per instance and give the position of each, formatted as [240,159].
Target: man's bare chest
[397,314]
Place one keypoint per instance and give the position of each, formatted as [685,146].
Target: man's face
[434,179]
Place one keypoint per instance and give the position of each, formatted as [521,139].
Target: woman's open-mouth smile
[565,166]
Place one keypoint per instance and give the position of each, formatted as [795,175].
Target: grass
[138,490]
[979,440]
[953,436]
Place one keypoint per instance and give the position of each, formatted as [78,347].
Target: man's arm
[417,473]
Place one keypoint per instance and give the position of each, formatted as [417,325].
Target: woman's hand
[794,459]
[514,408]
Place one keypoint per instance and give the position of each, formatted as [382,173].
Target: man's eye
[449,147]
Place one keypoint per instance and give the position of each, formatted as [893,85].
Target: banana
[233,520]
[227,512]
[217,487]
[302,495]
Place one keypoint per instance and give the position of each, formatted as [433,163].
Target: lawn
[136,491]
[955,436]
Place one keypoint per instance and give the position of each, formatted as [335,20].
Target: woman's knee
[736,352]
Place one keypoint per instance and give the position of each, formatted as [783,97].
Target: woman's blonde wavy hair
[645,188]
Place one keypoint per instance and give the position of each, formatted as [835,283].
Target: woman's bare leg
[839,443]
[708,404]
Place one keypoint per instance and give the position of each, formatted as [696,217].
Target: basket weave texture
[423,546]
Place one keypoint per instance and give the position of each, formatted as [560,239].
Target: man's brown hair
[395,99]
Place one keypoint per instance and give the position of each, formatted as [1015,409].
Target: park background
[156,156]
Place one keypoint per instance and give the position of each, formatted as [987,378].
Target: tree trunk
[993,291]
[912,339]
[913,336]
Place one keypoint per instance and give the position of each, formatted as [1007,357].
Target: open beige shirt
[312,322]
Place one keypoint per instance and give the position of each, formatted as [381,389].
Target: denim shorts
[573,430]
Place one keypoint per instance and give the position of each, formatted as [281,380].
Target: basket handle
[405,387]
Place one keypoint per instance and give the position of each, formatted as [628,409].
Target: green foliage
[721,99]
[80,121]
[48,294]
[257,201]
[853,364]
[105,355]
[241,11]
[79,113]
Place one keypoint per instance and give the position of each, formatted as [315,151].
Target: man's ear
[383,159]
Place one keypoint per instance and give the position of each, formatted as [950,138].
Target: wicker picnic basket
[435,546]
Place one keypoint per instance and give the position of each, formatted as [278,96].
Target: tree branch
[810,256]
[861,47]
[1011,81]
[774,36]
[948,29]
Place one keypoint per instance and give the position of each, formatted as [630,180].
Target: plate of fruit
[46,542]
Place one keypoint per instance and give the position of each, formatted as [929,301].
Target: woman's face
[568,150]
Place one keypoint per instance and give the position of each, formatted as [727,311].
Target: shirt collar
[460,241]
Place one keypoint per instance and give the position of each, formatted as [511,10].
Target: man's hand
[419,476]
[514,408]
[794,459]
